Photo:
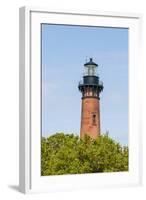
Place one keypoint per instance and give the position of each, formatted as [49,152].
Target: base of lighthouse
[90,117]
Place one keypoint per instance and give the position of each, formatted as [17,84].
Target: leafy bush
[68,154]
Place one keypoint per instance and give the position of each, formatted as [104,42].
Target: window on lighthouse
[94,119]
[91,70]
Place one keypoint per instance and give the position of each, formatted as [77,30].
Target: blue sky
[64,52]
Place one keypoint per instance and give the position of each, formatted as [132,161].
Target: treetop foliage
[68,154]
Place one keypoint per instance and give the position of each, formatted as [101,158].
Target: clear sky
[64,52]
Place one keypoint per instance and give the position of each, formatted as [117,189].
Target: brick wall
[90,117]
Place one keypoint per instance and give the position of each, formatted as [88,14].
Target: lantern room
[90,68]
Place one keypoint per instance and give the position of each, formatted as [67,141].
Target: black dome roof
[90,63]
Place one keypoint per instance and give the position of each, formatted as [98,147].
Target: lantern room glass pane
[90,70]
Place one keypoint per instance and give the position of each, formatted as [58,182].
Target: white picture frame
[30,178]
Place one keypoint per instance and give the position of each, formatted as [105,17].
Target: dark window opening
[94,119]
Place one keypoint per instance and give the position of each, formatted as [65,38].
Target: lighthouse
[90,87]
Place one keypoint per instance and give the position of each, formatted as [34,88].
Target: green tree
[68,154]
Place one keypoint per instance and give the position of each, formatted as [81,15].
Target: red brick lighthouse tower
[90,88]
